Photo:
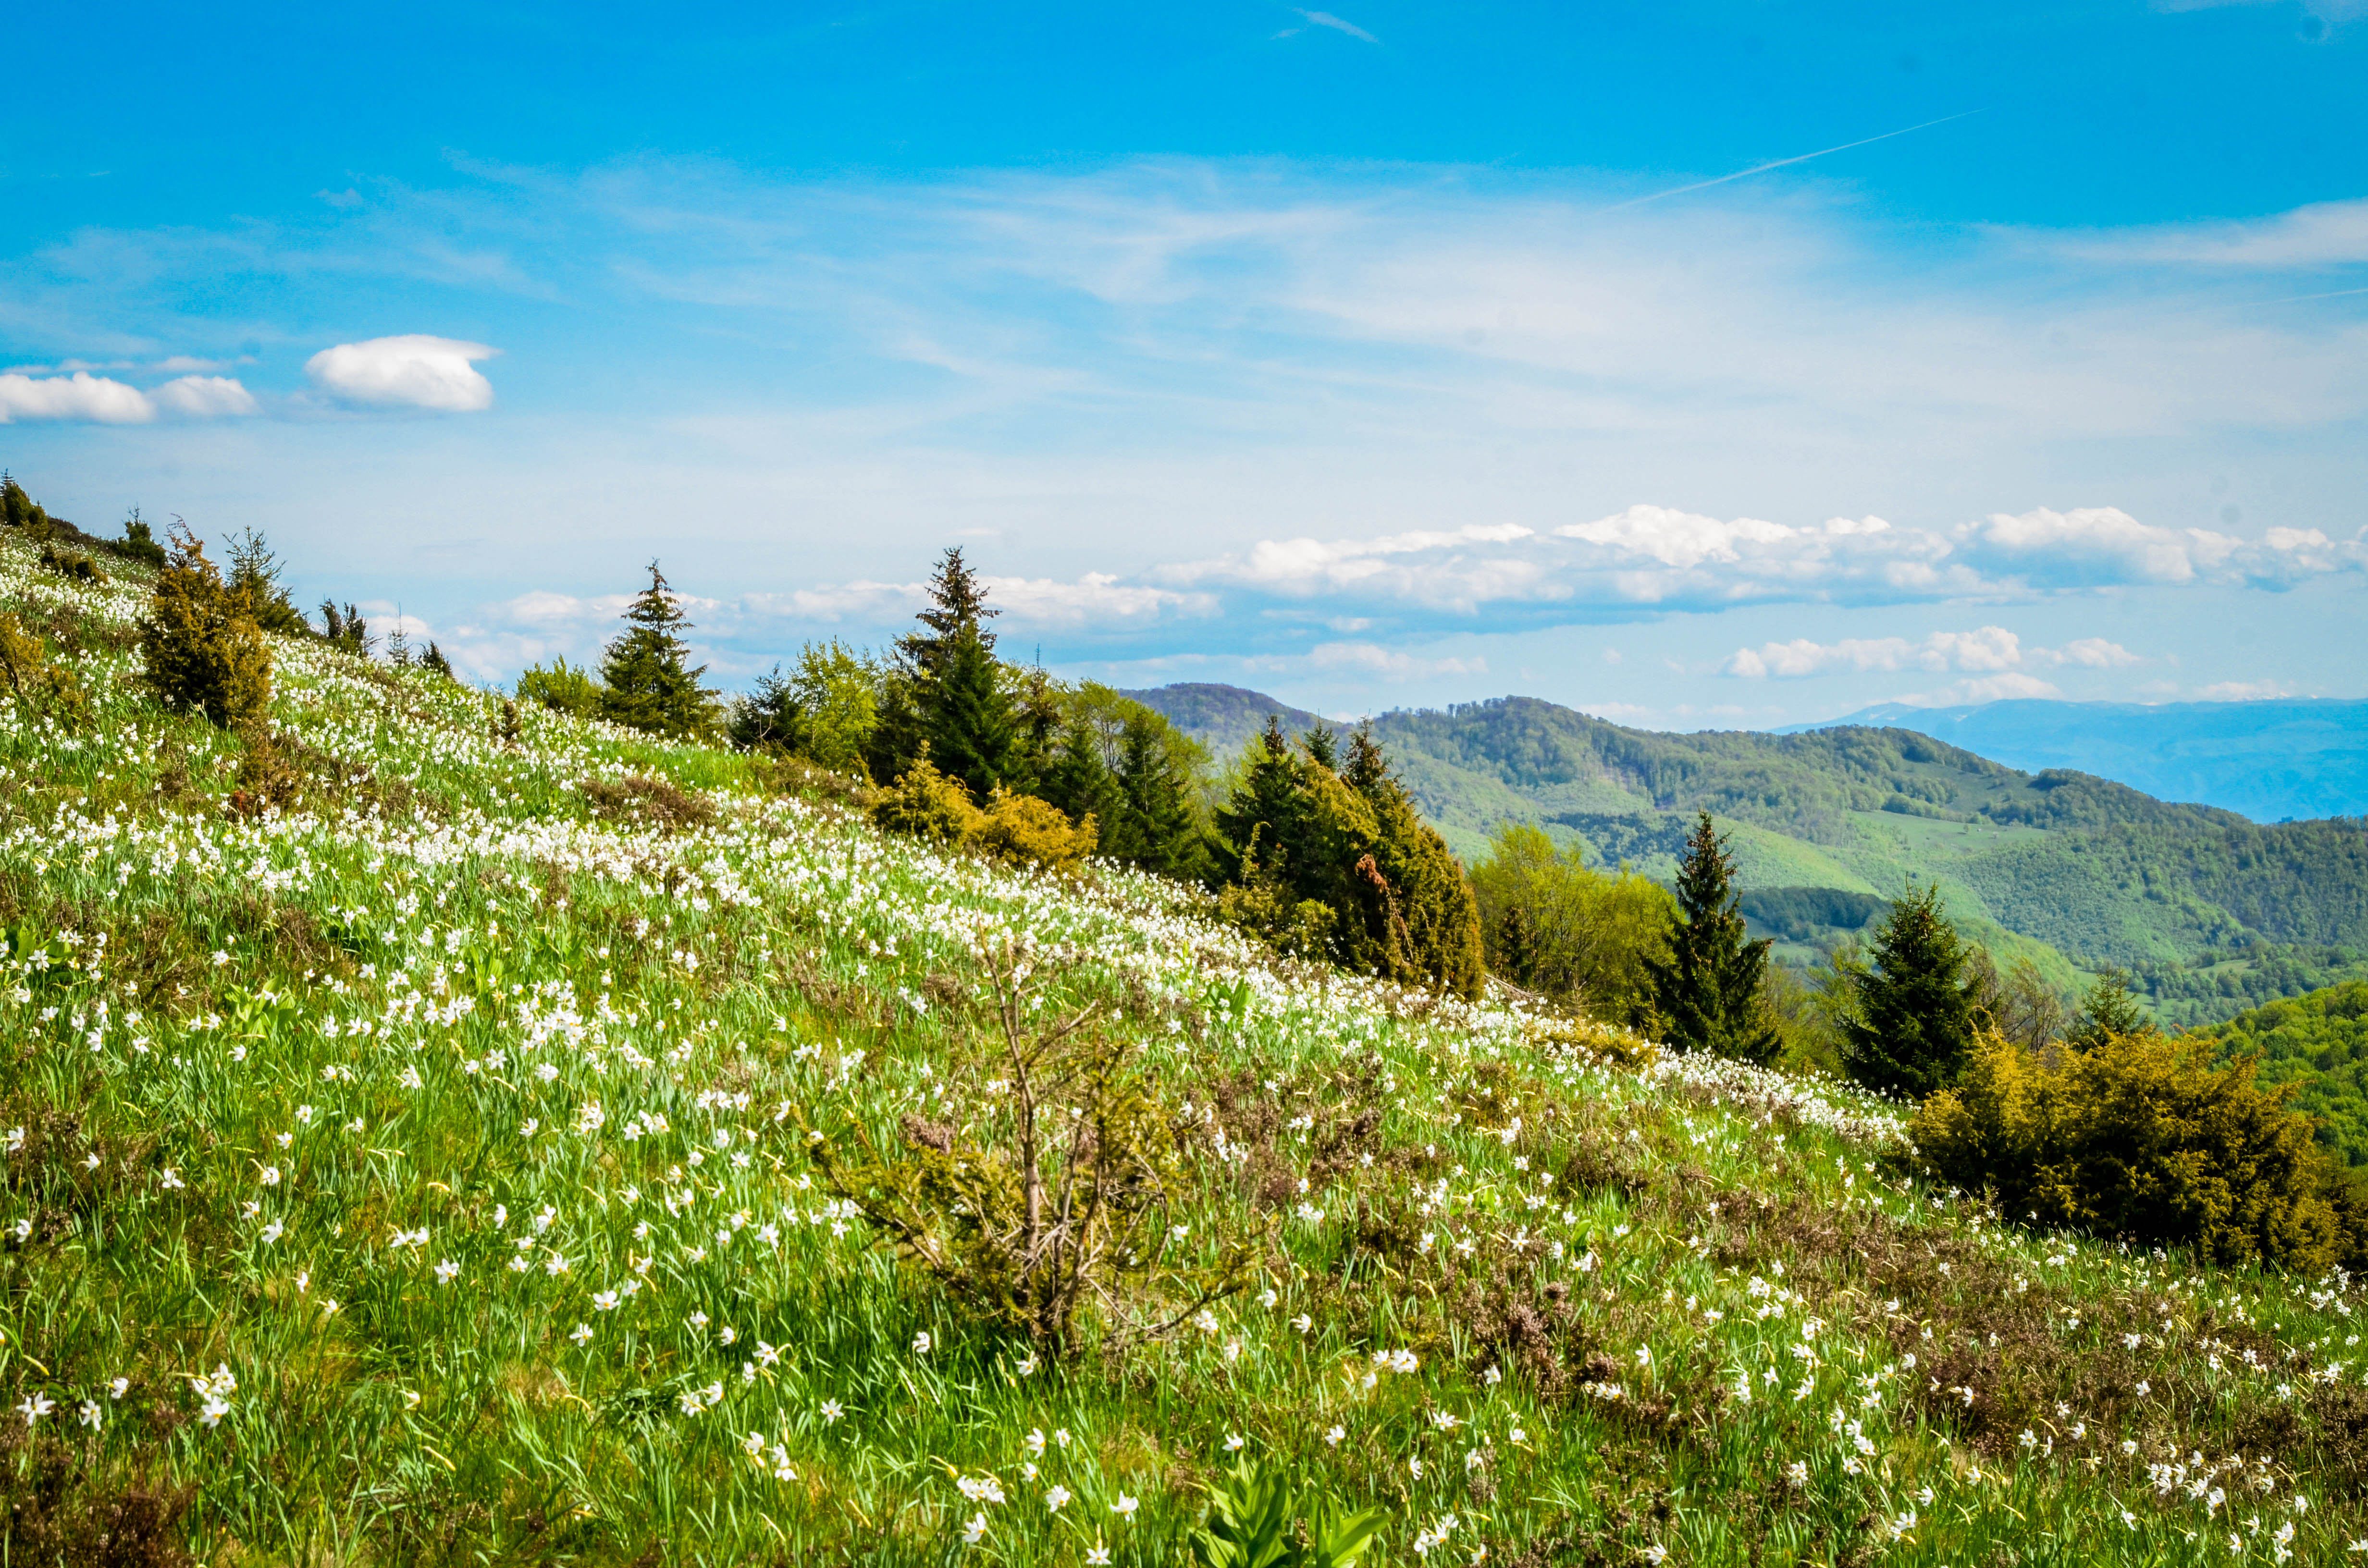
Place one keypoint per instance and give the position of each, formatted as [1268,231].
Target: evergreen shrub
[565,687]
[203,652]
[1024,829]
[2138,1138]
[927,804]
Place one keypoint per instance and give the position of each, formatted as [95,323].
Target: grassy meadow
[410,1157]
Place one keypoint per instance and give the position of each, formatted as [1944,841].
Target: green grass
[441,1046]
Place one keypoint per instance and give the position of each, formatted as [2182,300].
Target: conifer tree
[1914,1025]
[972,731]
[253,578]
[2106,1012]
[199,648]
[1076,779]
[957,605]
[1707,991]
[650,683]
[1261,820]
[1160,827]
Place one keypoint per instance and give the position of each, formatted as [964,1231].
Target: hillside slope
[2271,760]
[2083,866]
[411,1133]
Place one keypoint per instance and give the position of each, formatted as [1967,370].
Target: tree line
[1312,843]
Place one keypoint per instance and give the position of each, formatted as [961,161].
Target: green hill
[2319,1043]
[438,1129]
[2211,912]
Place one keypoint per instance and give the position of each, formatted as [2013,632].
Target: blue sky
[1693,364]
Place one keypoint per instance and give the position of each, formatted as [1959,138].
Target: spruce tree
[1261,820]
[1160,828]
[1075,779]
[973,735]
[650,682]
[957,605]
[1707,991]
[2106,1012]
[1914,1028]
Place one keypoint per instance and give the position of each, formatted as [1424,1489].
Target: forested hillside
[2210,911]
[2318,1043]
[2271,759]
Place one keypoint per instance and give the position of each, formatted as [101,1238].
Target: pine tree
[972,731]
[1161,829]
[2106,1012]
[199,648]
[1914,1028]
[1707,991]
[957,605]
[650,682]
[1261,818]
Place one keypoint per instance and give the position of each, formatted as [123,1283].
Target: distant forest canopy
[2208,912]
[2319,1043]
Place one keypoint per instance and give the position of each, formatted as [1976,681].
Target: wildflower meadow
[421,1148]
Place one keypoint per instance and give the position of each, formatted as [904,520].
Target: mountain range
[2272,760]
[2214,913]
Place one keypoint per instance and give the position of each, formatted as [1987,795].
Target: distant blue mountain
[2269,760]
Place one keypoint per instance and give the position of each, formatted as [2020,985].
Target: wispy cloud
[1337,24]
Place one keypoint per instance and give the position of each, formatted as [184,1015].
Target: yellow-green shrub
[1025,829]
[34,679]
[203,652]
[927,804]
[2138,1137]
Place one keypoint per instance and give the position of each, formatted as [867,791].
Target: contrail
[2298,298]
[1782,163]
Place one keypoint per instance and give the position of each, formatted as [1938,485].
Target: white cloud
[79,397]
[1992,651]
[204,397]
[2243,691]
[1986,688]
[1374,662]
[413,371]
[1456,575]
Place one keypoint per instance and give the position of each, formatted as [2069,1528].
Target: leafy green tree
[434,660]
[1706,993]
[1557,925]
[649,681]
[1915,1024]
[837,693]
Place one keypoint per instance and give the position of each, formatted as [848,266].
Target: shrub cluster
[2143,1138]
